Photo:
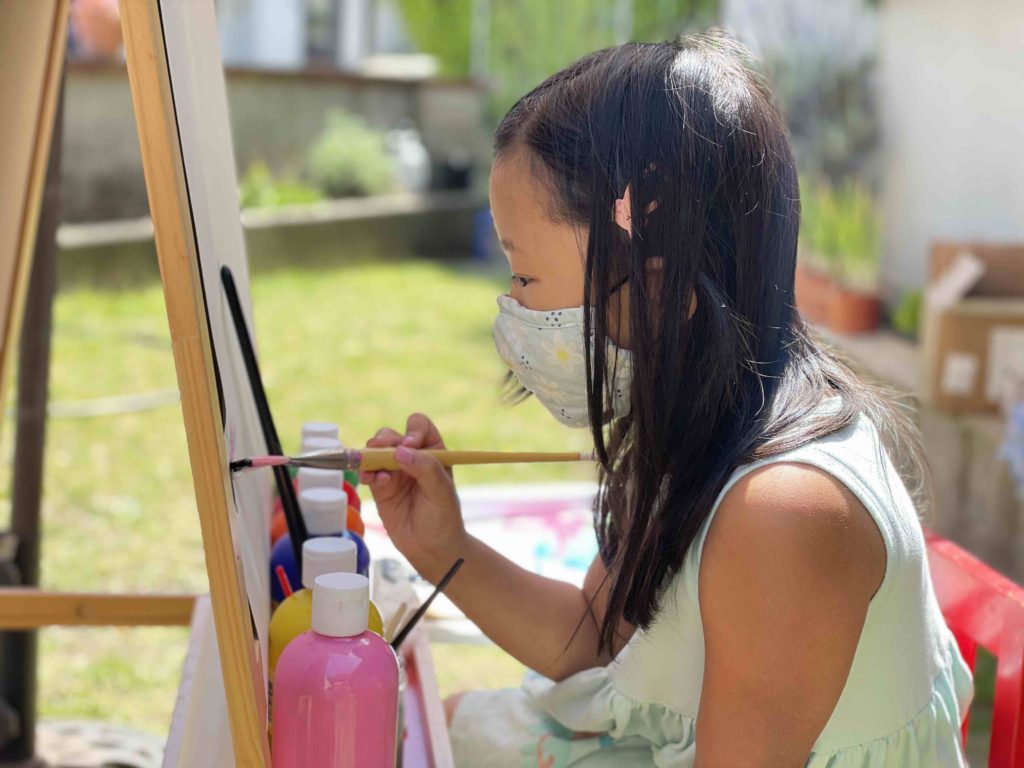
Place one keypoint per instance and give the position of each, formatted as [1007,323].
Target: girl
[762,596]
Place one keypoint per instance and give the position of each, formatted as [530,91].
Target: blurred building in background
[951,108]
[290,65]
[920,100]
[913,100]
[340,34]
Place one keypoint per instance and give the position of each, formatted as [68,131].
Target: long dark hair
[691,129]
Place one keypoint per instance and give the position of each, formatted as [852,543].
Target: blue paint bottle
[324,510]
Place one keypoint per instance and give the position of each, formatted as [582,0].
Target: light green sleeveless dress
[903,703]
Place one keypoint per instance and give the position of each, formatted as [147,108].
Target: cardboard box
[973,326]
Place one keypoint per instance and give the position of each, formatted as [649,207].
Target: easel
[181,113]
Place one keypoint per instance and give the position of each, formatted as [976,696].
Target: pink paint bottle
[336,686]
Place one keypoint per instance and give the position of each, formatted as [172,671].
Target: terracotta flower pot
[851,311]
[97,28]
[812,288]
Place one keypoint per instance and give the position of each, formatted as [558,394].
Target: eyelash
[523,281]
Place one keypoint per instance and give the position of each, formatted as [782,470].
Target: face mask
[545,351]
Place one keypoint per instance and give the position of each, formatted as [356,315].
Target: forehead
[522,209]
[516,192]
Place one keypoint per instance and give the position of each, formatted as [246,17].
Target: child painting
[761,596]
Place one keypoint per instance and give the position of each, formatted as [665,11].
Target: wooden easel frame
[174,233]
[22,214]
[176,246]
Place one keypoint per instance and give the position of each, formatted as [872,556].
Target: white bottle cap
[341,604]
[319,429]
[311,444]
[324,510]
[311,477]
[327,554]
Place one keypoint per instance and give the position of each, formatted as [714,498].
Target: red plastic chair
[983,607]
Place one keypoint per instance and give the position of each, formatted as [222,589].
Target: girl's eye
[522,282]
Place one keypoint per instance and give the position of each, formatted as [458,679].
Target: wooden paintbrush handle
[374,459]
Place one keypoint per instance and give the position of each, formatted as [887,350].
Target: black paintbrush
[285,489]
[414,620]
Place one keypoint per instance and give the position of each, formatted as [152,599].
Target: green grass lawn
[358,341]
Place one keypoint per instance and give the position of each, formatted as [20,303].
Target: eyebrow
[508,245]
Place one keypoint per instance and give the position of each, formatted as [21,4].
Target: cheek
[550,293]
[518,292]
[561,278]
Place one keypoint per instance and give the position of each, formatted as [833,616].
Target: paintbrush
[415,619]
[374,459]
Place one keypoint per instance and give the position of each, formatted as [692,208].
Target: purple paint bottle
[336,686]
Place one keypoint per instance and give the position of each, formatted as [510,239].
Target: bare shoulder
[795,523]
[787,573]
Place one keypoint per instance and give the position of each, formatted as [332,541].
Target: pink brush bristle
[268,461]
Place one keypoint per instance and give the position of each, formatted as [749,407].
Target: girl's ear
[655,265]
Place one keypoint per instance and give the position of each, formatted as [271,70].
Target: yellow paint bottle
[320,555]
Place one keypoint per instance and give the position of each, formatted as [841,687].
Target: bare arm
[548,625]
[791,562]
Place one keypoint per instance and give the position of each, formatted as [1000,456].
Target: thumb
[424,468]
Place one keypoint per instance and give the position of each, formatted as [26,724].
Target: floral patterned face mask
[545,351]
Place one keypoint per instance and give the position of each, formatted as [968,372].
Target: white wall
[951,80]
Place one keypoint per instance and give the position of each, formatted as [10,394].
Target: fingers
[386,486]
[421,432]
[385,437]
[425,469]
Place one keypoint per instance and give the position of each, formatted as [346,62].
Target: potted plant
[350,158]
[815,259]
[906,315]
[854,304]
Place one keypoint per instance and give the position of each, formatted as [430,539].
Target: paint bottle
[321,435]
[310,477]
[325,554]
[312,430]
[323,443]
[325,511]
[326,429]
[279,525]
[317,436]
[336,686]
[312,444]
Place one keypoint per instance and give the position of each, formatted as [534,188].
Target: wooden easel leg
[18,649]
